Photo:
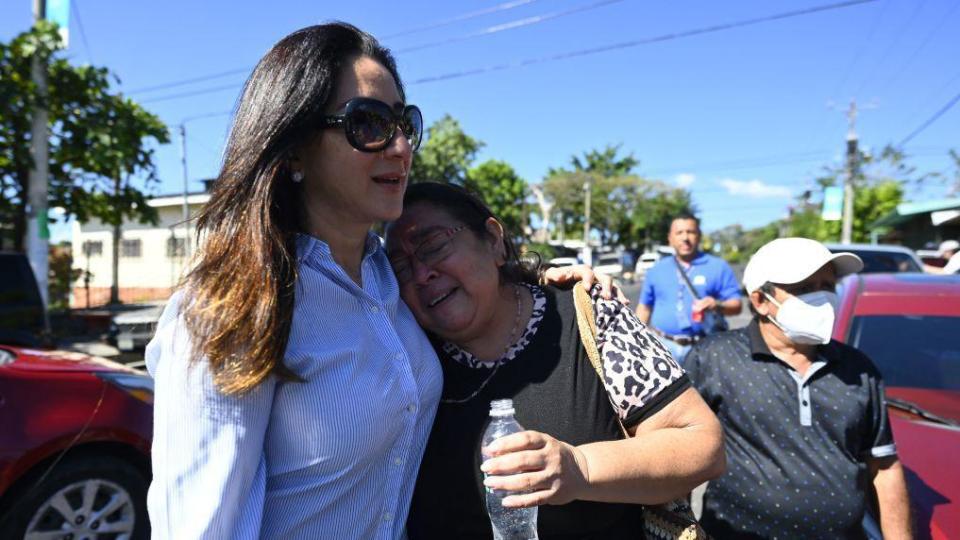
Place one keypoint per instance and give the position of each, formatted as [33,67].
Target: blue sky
[744,117]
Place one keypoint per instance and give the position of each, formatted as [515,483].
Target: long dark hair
[240,293]
[469,208]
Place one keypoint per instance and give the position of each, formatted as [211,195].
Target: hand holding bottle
[538,467]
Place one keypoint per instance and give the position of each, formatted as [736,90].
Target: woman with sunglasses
[499,335]
[294,389]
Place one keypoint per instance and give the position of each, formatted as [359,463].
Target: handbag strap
[686,279]
[587,324]
[671,521]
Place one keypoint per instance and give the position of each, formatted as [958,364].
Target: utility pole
[846,236]
[38,232]
[186,206]
[587,252]
[545,207]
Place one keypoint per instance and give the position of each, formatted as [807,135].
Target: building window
[93,248]
[176,247]
[130,248]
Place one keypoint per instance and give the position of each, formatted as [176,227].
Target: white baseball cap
[948,245]
[792,260]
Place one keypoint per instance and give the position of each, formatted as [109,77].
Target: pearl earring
[297,176]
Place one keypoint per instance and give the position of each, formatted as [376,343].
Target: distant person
[808,441]
[950,251]
[667,303]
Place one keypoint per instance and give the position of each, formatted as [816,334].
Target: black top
[556,391]
[796,446]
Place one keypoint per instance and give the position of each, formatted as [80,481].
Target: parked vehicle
[610,264]
[21,309]
[74,448]
[562,261]
[75,430]
[132,330]
[909,326]
[646,262]
[882,257]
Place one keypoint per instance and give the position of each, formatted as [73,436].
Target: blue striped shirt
[335,456]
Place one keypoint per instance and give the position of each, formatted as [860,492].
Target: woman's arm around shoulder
[209,470]
[675,443]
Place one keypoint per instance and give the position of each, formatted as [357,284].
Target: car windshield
[885,261]
[913,351]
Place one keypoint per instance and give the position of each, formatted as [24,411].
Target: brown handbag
[673,520]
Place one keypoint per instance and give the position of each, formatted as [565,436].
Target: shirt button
[374,309]
[398,461]
[804,403]
[411,408]
[387,516]
[398,356]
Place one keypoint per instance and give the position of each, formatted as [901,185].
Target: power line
[765,161]
[891,46]
[191,94]
[817,136]
[183,82]
[645,41]
[930,120]
[466,16]
[571,54]
[459,18]
[75,6]
[930,35]
[519,23]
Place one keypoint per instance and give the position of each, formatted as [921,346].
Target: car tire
[106,498]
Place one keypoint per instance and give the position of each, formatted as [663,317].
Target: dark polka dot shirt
[797,446]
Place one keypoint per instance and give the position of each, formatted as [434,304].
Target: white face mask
[807,319]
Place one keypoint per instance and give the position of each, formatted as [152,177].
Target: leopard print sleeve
[638,372]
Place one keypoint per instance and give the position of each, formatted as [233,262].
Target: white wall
[153,269]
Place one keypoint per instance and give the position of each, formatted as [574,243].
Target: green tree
[62,276]
[446,155]
[503,190]
[624,208]
[878,189]
[602,162]
[95,137]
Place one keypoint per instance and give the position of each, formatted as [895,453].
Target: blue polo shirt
[666,293]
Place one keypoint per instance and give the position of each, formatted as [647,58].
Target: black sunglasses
[370,124]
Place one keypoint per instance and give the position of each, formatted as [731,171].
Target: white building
[152,257]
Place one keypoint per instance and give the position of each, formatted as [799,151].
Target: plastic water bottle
[508,523]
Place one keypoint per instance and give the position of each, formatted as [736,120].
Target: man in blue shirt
[666,303]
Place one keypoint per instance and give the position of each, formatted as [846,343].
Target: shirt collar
[310,247]
[699,258]
[759,347]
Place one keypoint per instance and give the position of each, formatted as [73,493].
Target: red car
[74,446]
[909,325]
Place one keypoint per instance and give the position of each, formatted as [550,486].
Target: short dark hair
[685,215]
[468,208]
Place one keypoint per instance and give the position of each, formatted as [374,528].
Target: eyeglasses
[431,251]
[371,125]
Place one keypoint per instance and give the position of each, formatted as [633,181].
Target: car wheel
[95,498]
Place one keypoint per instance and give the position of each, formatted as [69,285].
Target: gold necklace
[496,366]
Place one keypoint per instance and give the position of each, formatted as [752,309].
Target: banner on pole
[832,204]
[58,11]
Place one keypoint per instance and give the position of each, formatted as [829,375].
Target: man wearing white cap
[950,250]
[808,440]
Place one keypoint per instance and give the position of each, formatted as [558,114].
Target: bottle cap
[502,407]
